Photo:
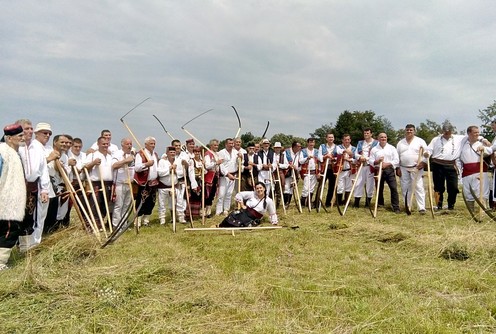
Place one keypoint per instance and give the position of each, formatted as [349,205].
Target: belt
[408,166]
[345,170]
[444,162]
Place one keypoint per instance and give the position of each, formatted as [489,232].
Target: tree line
[353,123]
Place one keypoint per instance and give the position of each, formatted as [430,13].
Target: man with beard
[12,191]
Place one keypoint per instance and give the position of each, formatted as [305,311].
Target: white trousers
[122,202]
[225,190]
[366,178]
[407,178]
[473,181]
[309,183]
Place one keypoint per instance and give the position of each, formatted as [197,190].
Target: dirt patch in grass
[393,238]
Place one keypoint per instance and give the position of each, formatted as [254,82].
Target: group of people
[40,181]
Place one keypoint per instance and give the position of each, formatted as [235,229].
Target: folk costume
[470,159]
[165,186]
[444,152]
[12,195]
[37,182]
[251,167]
[294,164]
[147,180]
[348,170]
[211,181]
[408,153]
[96,173]
[390,162]
[325,158]
[227,180]
[280,162]
[122,196]
[309,162]
[366,177]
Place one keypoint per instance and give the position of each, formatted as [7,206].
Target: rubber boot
[339,199]
[368,200]
[357,202]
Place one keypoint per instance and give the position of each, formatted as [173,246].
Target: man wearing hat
[444,151]
[12,191]
[34,161]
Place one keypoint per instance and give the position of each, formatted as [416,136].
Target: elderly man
[444,150]
[33,159]
[472,149]
[12,191]
[123,173]
[145,174]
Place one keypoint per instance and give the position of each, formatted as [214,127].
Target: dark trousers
[331,178]
[211,190]
[445,174]
[389,177]
[9,233]
[148,196]
[30,214]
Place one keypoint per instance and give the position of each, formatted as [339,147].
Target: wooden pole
[93,195]
[379,176]
[173,204]
[91,221]
[352,188]
[280,188]
[105,201]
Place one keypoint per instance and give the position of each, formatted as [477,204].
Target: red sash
[473,168]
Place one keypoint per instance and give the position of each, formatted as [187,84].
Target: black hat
[11,130]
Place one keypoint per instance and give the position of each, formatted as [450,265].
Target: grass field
[332,274]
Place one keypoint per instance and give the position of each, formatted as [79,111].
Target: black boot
[303,201]
[368,200]
[287,199]
[340,199]
[346,196]
[357,202]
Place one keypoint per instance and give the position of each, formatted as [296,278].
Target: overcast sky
[81,65]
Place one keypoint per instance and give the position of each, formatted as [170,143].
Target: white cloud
[299,64]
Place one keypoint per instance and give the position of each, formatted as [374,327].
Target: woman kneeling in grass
[254,204]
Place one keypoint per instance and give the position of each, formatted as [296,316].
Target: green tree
[486,116]
[353,123]
[428,130]
[286,140]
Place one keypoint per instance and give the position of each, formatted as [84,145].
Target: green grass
[352,274]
